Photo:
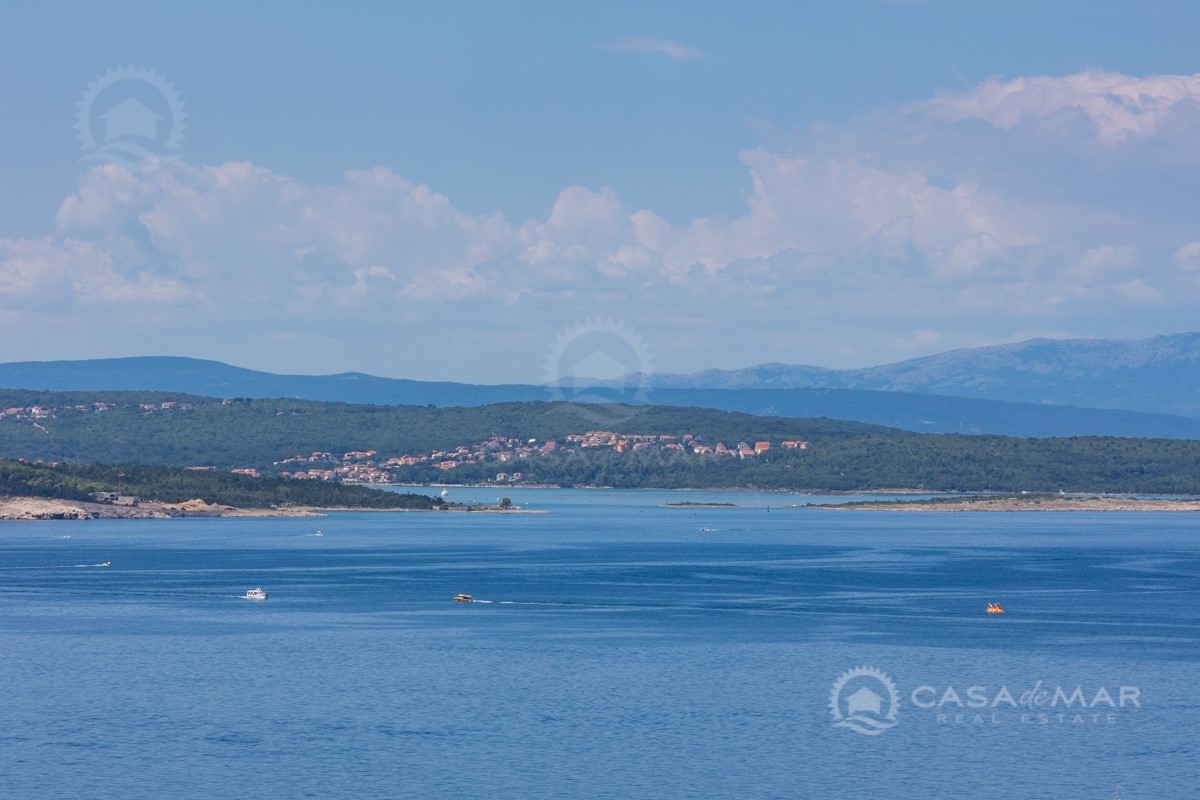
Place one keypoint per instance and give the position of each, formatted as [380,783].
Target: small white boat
[104,564]
[254,594]
[445,492]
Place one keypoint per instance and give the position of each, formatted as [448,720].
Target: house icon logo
[864,700]
[132,117]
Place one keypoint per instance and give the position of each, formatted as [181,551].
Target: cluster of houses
[688,443]
[48,412]
[166,405]
[367,467]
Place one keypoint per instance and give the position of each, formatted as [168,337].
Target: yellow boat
[995,608]
[463,598]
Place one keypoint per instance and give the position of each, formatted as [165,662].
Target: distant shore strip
[1021,503]
[40,508]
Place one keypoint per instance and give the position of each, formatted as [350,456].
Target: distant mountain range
[1160,375]
[1113,384]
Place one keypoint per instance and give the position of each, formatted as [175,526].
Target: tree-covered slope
[256,433]
[135,428]
[69,481]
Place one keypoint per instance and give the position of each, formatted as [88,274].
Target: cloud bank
[951,222]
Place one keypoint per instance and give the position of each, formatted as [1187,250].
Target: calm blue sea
[627,650]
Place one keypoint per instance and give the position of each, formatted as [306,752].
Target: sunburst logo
[602,363]
[130,116]
[864,700]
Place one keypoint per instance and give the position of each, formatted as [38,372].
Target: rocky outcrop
[34,508]
[31,508]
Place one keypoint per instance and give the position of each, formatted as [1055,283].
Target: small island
[694,504]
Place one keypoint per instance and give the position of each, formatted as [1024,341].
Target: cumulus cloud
[1119,107]
[40,274]
[864,227]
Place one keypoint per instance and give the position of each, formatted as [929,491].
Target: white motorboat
[254,594]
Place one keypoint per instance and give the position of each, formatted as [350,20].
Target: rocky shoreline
[37,508]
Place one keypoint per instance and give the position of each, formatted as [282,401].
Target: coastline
[40,508]
[45,508]
[1018,504]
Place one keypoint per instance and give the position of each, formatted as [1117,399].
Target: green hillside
[174,485]
[136,428]
[256,433]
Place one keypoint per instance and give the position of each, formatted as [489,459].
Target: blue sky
[452,190]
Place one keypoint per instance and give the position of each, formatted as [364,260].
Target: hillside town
[370,467]
[507,452]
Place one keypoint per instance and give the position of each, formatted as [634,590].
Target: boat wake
[521,603]
[60,566]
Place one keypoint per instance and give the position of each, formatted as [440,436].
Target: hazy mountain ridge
[217,379]
[1161,374]
[913,411]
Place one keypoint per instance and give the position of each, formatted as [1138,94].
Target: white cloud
[1104,260]
[847,209]
[1187,258]
[1138,292]
[676,51]
[1119,107]
[849,235]
[41,274]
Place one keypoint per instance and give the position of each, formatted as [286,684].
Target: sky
[472,191]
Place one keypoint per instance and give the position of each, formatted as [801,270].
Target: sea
[618,647]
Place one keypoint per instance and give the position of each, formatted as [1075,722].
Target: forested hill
[560,443]
[761,391]
[174,485]
[136,428]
